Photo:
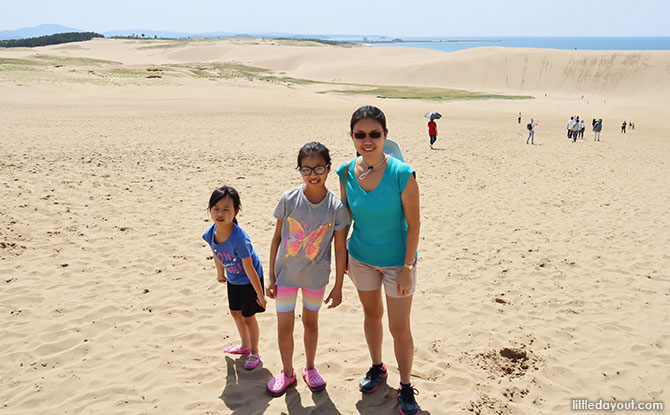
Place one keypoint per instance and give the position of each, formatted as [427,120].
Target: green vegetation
[289,80]
[224,70]
[49,40]
[410,92]
[18,61]
[18,65]
[71,61]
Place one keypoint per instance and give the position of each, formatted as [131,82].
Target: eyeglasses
[373,134]
[307,171]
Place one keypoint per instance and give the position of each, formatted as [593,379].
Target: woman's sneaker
[408,405]
[373,378]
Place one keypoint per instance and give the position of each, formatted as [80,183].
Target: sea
[566,43]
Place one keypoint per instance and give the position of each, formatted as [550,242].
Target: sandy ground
[109,301]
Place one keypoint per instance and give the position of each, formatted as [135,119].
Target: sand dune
[558,250]
[491,69]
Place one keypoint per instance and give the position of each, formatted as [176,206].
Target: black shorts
[243,297]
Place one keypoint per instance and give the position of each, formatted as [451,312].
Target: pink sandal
[237,349]
[314,380]
[278,384]
[252,362]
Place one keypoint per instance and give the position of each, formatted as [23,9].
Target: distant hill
[37,31]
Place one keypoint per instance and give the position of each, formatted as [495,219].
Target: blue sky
[365,17]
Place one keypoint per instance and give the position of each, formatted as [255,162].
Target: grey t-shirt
[303,258]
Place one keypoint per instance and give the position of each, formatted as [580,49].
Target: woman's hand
[221,277]
[335,297]
[404,281]
[271,290]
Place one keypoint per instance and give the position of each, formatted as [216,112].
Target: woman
[597,128]
[383,196]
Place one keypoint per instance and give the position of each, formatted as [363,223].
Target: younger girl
[308,217]
[243,271]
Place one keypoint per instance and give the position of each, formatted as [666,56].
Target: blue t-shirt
[380,229]
[231,252]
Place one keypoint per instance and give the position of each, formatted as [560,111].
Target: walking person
[597,128]
[383,196]
[570,124]
[623,128]
[531,130]
[432,132]
[582,127]
[519,117]
[576,126]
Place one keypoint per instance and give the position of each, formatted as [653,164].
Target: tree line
[49,40]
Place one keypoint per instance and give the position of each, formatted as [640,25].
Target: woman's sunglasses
[373,134]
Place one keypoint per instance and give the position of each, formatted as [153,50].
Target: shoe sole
[278,394]
[376,387]
[318,388]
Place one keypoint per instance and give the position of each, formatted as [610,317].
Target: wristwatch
[409,267]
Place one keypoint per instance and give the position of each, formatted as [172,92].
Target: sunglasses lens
[360,135]
[375,134]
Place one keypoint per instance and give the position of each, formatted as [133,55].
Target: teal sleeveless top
[379,236]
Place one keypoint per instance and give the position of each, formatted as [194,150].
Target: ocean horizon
[565,43]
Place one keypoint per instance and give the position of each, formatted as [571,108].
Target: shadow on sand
[381,402]
[245,393]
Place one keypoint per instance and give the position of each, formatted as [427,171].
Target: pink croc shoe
[237,349]
[313,379]
[252,362]
[278,384]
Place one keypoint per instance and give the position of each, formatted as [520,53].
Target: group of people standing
[576,128]
[379,195]
[630,124]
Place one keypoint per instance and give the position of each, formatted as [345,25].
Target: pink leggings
[286,299]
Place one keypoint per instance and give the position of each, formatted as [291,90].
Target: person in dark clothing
[597,128]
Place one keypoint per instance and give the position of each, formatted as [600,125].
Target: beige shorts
[368,277]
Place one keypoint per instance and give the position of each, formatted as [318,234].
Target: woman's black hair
[225,191]
[368,112]
[313,149]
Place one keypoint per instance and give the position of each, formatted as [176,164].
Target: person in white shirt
[571,123]
[531,131]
